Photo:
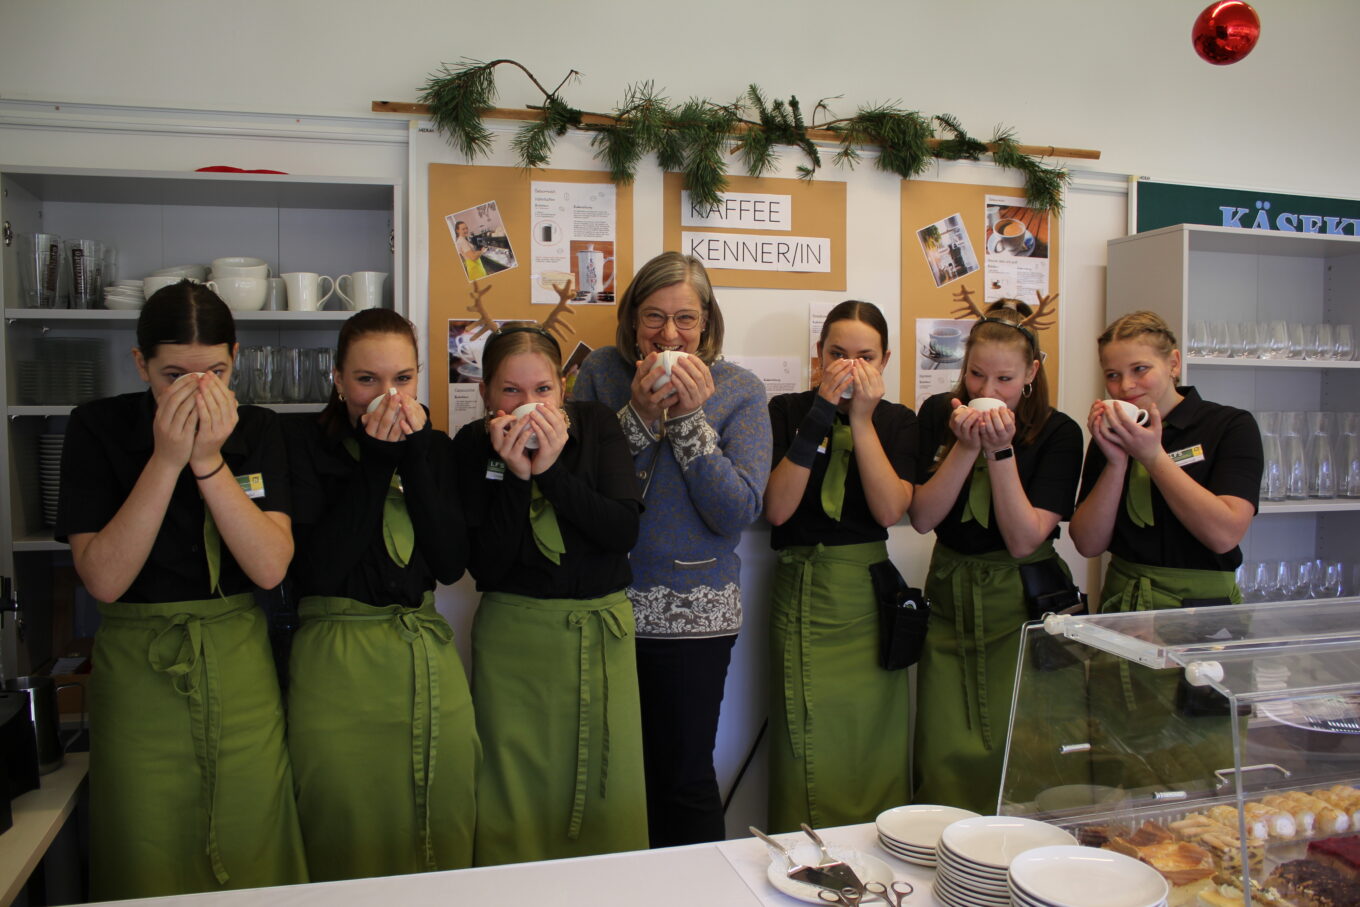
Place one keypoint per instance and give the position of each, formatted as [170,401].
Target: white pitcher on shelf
[590,274]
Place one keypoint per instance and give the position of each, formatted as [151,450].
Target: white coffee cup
[1011,235]
[365,289]
[522,412]
[849,391]
[380,399]
[945,343]
[1140,416]
[239,266]
[241,294]
[985,404]
[304,290]
[667,361]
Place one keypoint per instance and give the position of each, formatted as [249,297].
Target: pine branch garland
[694,137]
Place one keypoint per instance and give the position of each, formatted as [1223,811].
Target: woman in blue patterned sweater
[701,446]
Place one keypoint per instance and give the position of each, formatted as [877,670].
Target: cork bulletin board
[591,243]
[783,234]
[982,238]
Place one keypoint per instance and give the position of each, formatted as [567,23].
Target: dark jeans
[680,682]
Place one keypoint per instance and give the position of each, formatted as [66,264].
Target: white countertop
[725,874]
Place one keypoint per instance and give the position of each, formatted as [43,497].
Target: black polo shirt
[1049,468]
[809,524]
[593,490]
[1231,464]
[108,444]
[338,507]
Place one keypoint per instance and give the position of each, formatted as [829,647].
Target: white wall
[287,84]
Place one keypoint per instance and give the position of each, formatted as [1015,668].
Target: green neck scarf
[1138,502]
[212,547]
[979,504]
[833,483]
[543,522]
[399,536]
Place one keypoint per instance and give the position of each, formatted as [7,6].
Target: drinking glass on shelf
[1326,580]
[1348,478]
[1294,580]
[1267,581]
[1321,468]
[1272,472]
[294,375]
[1321,345]
[323,363]
[1218,340]
[1275,341]
[1297,331]
[1246,582]
[1237,340]
[1343,342]
[240,375]
[1292,429]
[1251,339]
[1198,341]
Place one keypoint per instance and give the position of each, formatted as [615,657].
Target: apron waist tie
[181,650]
[416,626]
[609,623]
[974,677]
[1137,596]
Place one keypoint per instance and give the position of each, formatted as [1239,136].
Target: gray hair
[666,270]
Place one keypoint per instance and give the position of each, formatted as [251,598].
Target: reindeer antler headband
[1040,319]
[556,322]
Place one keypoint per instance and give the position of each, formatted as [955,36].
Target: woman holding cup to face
[552,507]
[1000,468]
[1170,498]
[699,437]
[381,730]
[843,471]
[176,505]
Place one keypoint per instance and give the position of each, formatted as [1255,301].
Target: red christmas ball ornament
[1226,31]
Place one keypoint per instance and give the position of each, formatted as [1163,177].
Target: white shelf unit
[154,219]
[1192,272]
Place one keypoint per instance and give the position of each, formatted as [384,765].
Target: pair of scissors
[892,894]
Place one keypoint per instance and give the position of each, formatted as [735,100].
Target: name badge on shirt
[495,469]
[252,485]
[1187,455]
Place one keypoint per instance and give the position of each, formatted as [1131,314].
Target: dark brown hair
[335,417]
[666,270]
[856,310]
[1001,325]
[184,313]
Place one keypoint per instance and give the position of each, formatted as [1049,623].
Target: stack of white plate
[975,854]
[1069,876]
[911,832]
[125,294]
[49,474]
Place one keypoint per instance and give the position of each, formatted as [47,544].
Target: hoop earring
[341,394]
[1027,390]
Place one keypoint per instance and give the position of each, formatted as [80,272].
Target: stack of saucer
[1068,876]
[975,854]
[49,474]
[124,294]
[911,832]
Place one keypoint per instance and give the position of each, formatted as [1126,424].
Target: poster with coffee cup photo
[939,353]
[1016,249]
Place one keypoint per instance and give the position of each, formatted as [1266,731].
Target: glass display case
[1220,745]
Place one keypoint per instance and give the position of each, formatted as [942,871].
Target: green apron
[966,677]
[1140,737]
[383,741]
[190,784]
[838,722]
[555,686]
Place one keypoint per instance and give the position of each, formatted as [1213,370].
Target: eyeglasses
[684,321]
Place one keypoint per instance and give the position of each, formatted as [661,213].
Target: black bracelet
[211,474]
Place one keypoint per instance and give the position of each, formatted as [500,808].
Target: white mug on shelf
[241,294]
[365,289]
[304,290]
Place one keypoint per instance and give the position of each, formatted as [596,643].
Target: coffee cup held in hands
[378,400]
[522,412]
[666,360]
[1139,416]
[985,404]
[849,389]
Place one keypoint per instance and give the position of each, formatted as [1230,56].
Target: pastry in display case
[1219,745]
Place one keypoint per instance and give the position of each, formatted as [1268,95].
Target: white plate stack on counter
[1066,875]
[910,833]
[975,855]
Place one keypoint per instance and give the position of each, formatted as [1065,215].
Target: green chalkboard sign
[1165,204]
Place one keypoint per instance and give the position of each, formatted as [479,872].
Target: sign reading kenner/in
[750,251]
[1166,204]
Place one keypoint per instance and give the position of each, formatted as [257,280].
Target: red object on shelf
[222,168]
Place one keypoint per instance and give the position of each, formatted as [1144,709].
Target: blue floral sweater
[704,480]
